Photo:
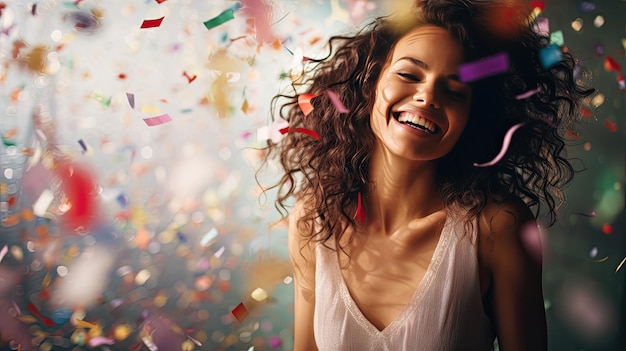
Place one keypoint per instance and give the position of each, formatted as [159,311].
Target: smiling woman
[397,240]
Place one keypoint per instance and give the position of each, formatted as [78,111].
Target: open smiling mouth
[416,122]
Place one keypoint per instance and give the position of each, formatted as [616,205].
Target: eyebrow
[423,65]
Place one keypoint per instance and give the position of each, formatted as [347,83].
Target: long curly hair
[329,173]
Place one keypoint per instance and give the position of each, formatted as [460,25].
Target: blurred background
[131,217]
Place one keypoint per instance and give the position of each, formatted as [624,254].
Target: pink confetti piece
[527,94]
[592,214]
[100,340]
[485,67]
[131,99]
[152,23]
[158,120]
[300,130]
[16,308]
[359,215]
[505,147]
[304,101]
[337,102]
[3,252]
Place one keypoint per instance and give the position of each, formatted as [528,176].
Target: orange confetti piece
[240,312]
[304,101]
[142,238]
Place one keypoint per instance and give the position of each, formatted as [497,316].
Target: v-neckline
[421,289]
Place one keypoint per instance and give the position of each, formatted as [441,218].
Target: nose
[426,95]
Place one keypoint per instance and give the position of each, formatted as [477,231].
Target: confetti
[189,78]
[586,6]
[104,101]
[3,252]
[304,101]
[82,145]
[538,4]
[359,215]
[152,23]
[619,266]
[611,65]
[131,99]
[43,203]
[527,94]
[300,130]
[100,340]
[505,146]
[240,312]
[557,38]
[611,126]
[158,120]
[484,68]
[80,190]
[550,56]
[219,19]
[47,321]
[336,102]
[592,214]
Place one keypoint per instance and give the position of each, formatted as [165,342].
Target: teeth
[407,117]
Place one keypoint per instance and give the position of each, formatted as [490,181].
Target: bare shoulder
[504,216]
[511,252]
[301,248]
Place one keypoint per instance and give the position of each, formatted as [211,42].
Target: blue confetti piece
[550,56]
[61,316]
[586,6]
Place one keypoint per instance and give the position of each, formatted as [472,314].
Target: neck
[402,190]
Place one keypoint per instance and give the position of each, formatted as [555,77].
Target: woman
[400,238]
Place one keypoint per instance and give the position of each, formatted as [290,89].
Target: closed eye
[408,76]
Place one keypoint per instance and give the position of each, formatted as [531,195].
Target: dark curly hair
[330,172]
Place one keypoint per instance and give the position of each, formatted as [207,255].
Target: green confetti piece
[219,19]
[101,99]
[557,38]
[8,142]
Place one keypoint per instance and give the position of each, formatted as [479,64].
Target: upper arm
[302,258]
[514,263]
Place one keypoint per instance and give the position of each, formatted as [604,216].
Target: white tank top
[445,312]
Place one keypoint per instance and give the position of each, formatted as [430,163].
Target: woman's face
[421,107]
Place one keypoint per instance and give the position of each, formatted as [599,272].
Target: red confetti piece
[189,78]
[47,321]
[359,215]
[612,127]
[80,191]
[611,65]
[300,130]
[586,113]
[160,1]
[607,229]
[304,101]
[538,4]
[336,102]
[240,312]
[158,120]
[505,147]
[152,23]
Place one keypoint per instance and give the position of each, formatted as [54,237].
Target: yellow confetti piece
[149,109]
[26,318]
[624,43]
[620,265]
